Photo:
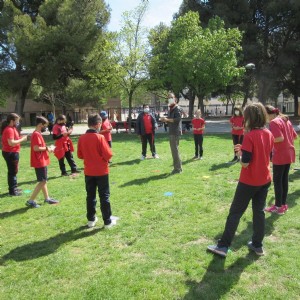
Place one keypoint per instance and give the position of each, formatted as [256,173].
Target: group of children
[254,151]
[92,147]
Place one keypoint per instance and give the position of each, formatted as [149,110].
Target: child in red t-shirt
[237,129]
[283,155]
[255,179]
[106,128]
[63,145]
[198,129]
[95,152]
[39,160]
[11,141]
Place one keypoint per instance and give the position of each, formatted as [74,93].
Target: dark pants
[198,139]
[91,184]
[148,138]
[281,183]
[12,162]
[71,162]
[237,139]
[243,194]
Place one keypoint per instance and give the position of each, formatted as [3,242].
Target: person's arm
[38,148]
[13,142]
[106,152]
[79,152]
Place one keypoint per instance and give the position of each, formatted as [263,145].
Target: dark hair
[272,110]
[94,119]
[239,109]
[41,119]
[10,117]
[255,116]
[144,105]
[60,118]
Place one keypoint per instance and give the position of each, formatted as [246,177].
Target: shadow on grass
[215,167]
[47,247]
[294,176]
[12,213]
[128,162]
[188,161]
[218,281]
[145,180]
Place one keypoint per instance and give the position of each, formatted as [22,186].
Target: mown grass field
[158,248]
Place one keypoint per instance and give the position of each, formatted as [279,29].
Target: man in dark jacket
[175,129]
[145,128]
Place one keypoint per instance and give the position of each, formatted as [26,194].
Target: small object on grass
[27,191]
[168,194]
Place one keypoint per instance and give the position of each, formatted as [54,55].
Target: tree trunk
[201,104]
[130,96]
[21,97]
[296,103]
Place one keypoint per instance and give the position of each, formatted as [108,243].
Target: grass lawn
[158,248]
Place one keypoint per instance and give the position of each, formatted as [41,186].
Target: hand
[237,149]
[24,138]
[162,119]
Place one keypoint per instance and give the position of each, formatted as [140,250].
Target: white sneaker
[112,224]
[143,157]
[92,223]
[155,156]
[114,218]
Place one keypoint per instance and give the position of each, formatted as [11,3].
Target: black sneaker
[32,204]
[51,201]
[221,251]
[16,193]
[64,174]
[258,250]
[76,171]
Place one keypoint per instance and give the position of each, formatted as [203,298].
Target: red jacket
[95,152]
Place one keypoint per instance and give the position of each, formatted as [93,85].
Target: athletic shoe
[32,204]
[200,157]
[155,156]
[15,193]
[195,157]
[91,224]
[76,171]
[64,174]
[143,157]
[286,208]
[221,251]
[112,224]
[51,201]
[271,209]
[258,250]
[281,210]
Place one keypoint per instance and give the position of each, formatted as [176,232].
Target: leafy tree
[52,42]
[131,53]
[201,60]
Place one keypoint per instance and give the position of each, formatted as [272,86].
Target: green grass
[158,249]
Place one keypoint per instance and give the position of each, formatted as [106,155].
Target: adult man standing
[145,128]
[175,130]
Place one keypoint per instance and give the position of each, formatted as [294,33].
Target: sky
[158,11]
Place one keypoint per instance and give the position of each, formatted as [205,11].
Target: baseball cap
[103,114]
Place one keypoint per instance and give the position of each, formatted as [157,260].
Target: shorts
[41,174]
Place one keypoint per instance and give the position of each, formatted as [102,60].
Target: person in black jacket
[145,128]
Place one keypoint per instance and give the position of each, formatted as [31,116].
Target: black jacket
[140,126]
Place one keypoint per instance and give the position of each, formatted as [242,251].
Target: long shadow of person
[217,280]
[215,167]
[12,213]
[145,179]
[128,162]
[46,247]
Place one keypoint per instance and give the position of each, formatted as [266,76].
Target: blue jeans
[91,184]
[243,194]
[12,162]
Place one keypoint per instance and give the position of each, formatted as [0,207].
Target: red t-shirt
[237,121]
[38,159]
[198,123]
[10,133]
[106,125]
[283,152]
[59,129]
[95,152]
[147,123]
[260,143]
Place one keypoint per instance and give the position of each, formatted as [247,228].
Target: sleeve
[79,152]
[246,157]
[247,144]
[105,150]
[36,141]
[177,116]
[10,133]
[275,129]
